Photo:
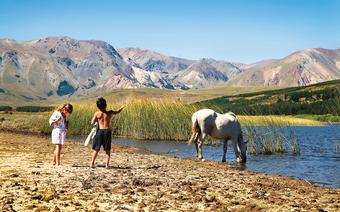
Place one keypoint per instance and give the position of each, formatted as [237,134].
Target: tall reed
[272,134]
[140,119]
[161,119]
[171,120]
[271,140]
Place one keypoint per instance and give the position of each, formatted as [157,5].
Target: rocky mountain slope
[182,73]
[300,68]
[62,66]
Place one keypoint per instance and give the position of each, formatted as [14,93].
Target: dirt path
[138,181]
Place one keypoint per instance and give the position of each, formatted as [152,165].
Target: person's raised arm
[119,110]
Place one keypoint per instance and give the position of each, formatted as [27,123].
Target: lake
[318,161]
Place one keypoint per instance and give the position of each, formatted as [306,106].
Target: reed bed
[171,120]
[271,140]
[160,120]
[140,119]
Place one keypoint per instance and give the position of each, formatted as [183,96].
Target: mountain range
[62,66]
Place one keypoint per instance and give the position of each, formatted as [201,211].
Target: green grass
[166,115]
[162,120]
[155,119]
[171,120]
[322,118]
[322,98]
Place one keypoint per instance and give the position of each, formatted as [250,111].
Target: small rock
[14,175]
[210,198]
[30,207]
[48,197]
[56,209]
[37,196]
[33,189]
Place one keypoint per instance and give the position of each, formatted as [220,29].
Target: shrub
[6,108]
[34,109]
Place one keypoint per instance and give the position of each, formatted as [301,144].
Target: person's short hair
[101,104]
[69,108]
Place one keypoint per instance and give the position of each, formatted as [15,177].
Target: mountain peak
[61,65]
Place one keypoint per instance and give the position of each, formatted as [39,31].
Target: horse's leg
[236,149]
[194,139]
[225,147]
[196,145]
[199,145]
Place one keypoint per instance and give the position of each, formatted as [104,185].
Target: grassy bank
[322,118]
[159,120]
[155,119]
[321,98]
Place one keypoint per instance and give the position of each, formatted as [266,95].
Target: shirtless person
[103,135]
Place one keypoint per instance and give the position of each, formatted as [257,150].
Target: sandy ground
[140,181]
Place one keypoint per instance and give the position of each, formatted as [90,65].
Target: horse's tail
[195,130]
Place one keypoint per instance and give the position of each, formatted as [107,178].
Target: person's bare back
[103,119]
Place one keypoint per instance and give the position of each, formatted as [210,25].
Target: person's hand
[121,108]
[55,123]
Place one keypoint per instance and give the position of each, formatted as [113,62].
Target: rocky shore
[138,180]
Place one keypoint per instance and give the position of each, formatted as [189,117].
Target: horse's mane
[231,113]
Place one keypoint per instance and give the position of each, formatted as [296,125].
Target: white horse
[220,126]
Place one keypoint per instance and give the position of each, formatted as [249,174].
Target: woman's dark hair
[101,104]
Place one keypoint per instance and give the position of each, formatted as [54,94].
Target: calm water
[318,161]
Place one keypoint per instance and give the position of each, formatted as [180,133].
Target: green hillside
[321,98]
[188,96]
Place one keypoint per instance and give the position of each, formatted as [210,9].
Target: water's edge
[318,162]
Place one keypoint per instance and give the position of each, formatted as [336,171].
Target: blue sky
[233,30]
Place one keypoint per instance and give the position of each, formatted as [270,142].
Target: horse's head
[243,148]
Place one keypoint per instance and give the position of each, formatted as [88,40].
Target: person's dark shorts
[102,138]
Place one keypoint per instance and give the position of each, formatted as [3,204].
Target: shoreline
[139,180]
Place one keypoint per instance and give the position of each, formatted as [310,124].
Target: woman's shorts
[58,136]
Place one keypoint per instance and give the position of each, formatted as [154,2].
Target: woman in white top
[59,122]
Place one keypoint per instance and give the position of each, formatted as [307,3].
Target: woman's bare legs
[54,156]
[57,152]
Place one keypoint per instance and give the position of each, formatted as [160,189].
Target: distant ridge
[63,66]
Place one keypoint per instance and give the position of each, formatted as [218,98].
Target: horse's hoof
[239,160]
[223,161]
[203,160]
